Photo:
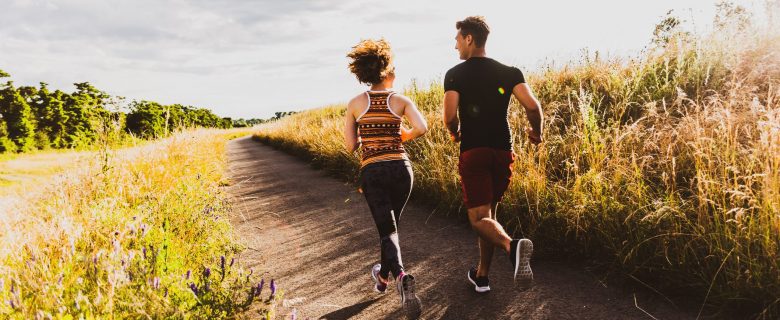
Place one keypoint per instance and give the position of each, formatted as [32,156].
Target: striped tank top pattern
[379,130]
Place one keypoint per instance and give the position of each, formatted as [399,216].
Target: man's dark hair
[476,27]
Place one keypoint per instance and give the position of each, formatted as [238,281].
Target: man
[476,99]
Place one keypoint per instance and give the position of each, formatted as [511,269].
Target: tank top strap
[388,104]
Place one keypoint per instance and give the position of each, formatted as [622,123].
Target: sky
[251,58]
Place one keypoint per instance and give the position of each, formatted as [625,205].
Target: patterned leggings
[386,186]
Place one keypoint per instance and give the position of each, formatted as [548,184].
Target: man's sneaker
[409,301]
[520,251]
[481,284]
[379,285]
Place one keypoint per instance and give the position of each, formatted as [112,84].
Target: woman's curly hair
[371,61]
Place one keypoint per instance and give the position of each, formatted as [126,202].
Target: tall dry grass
[138,233]
[665,166]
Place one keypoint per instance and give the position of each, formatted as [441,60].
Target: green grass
[136,233]
[665,167]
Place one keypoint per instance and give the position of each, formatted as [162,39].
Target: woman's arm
[350,130]
[416,119]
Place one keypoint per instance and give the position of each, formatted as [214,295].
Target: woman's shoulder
[359,100]
[400,98]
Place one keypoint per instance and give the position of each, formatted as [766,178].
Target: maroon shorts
[484,175]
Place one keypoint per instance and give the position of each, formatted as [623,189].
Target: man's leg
[488,229]
[486,249]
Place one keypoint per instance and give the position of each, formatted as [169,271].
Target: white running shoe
[520,254]
[379,286]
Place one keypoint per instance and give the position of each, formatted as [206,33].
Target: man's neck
[478,53]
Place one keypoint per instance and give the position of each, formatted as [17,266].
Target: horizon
[250,60]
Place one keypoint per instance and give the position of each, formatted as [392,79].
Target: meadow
[663,168]
[139,232]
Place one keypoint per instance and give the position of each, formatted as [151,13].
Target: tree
[146,120]
[85,111]
[52,119]
[18,117]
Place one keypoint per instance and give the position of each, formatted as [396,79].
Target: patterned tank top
[379,129]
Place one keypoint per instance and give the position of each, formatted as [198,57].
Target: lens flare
[501,90]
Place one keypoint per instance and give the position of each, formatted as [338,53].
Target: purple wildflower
[222,263]
[11,303]
[207,272]
[144,252]
[194,288]
[260,286]
[166,293]
[231,261]
[187,276]
[273,287]
[156,283]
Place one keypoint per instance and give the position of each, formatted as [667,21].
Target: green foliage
[243,123]
[152,120]
[37,118]
[147,120]
[18,117]
[279,115]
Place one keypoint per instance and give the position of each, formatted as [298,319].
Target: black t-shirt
[484,86]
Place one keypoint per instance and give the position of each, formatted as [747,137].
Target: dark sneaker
[481,284]
[520,251]
[409,301]
[379,285]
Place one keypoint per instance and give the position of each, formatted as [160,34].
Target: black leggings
[387,186]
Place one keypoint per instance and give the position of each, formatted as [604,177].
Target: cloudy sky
[250,58]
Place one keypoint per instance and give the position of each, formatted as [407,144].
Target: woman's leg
[375,181]
[401,187]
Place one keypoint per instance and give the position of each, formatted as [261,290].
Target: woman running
[373,123]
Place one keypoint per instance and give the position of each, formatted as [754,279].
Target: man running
[476,99]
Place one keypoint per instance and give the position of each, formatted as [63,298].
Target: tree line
[38,118]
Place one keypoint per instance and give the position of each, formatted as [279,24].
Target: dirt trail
[314,235]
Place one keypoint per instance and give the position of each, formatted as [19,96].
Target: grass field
[128,233]
[664,167]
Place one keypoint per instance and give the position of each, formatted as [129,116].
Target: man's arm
[533,110]
[451,120]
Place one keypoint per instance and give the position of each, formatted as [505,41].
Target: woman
[373,123]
